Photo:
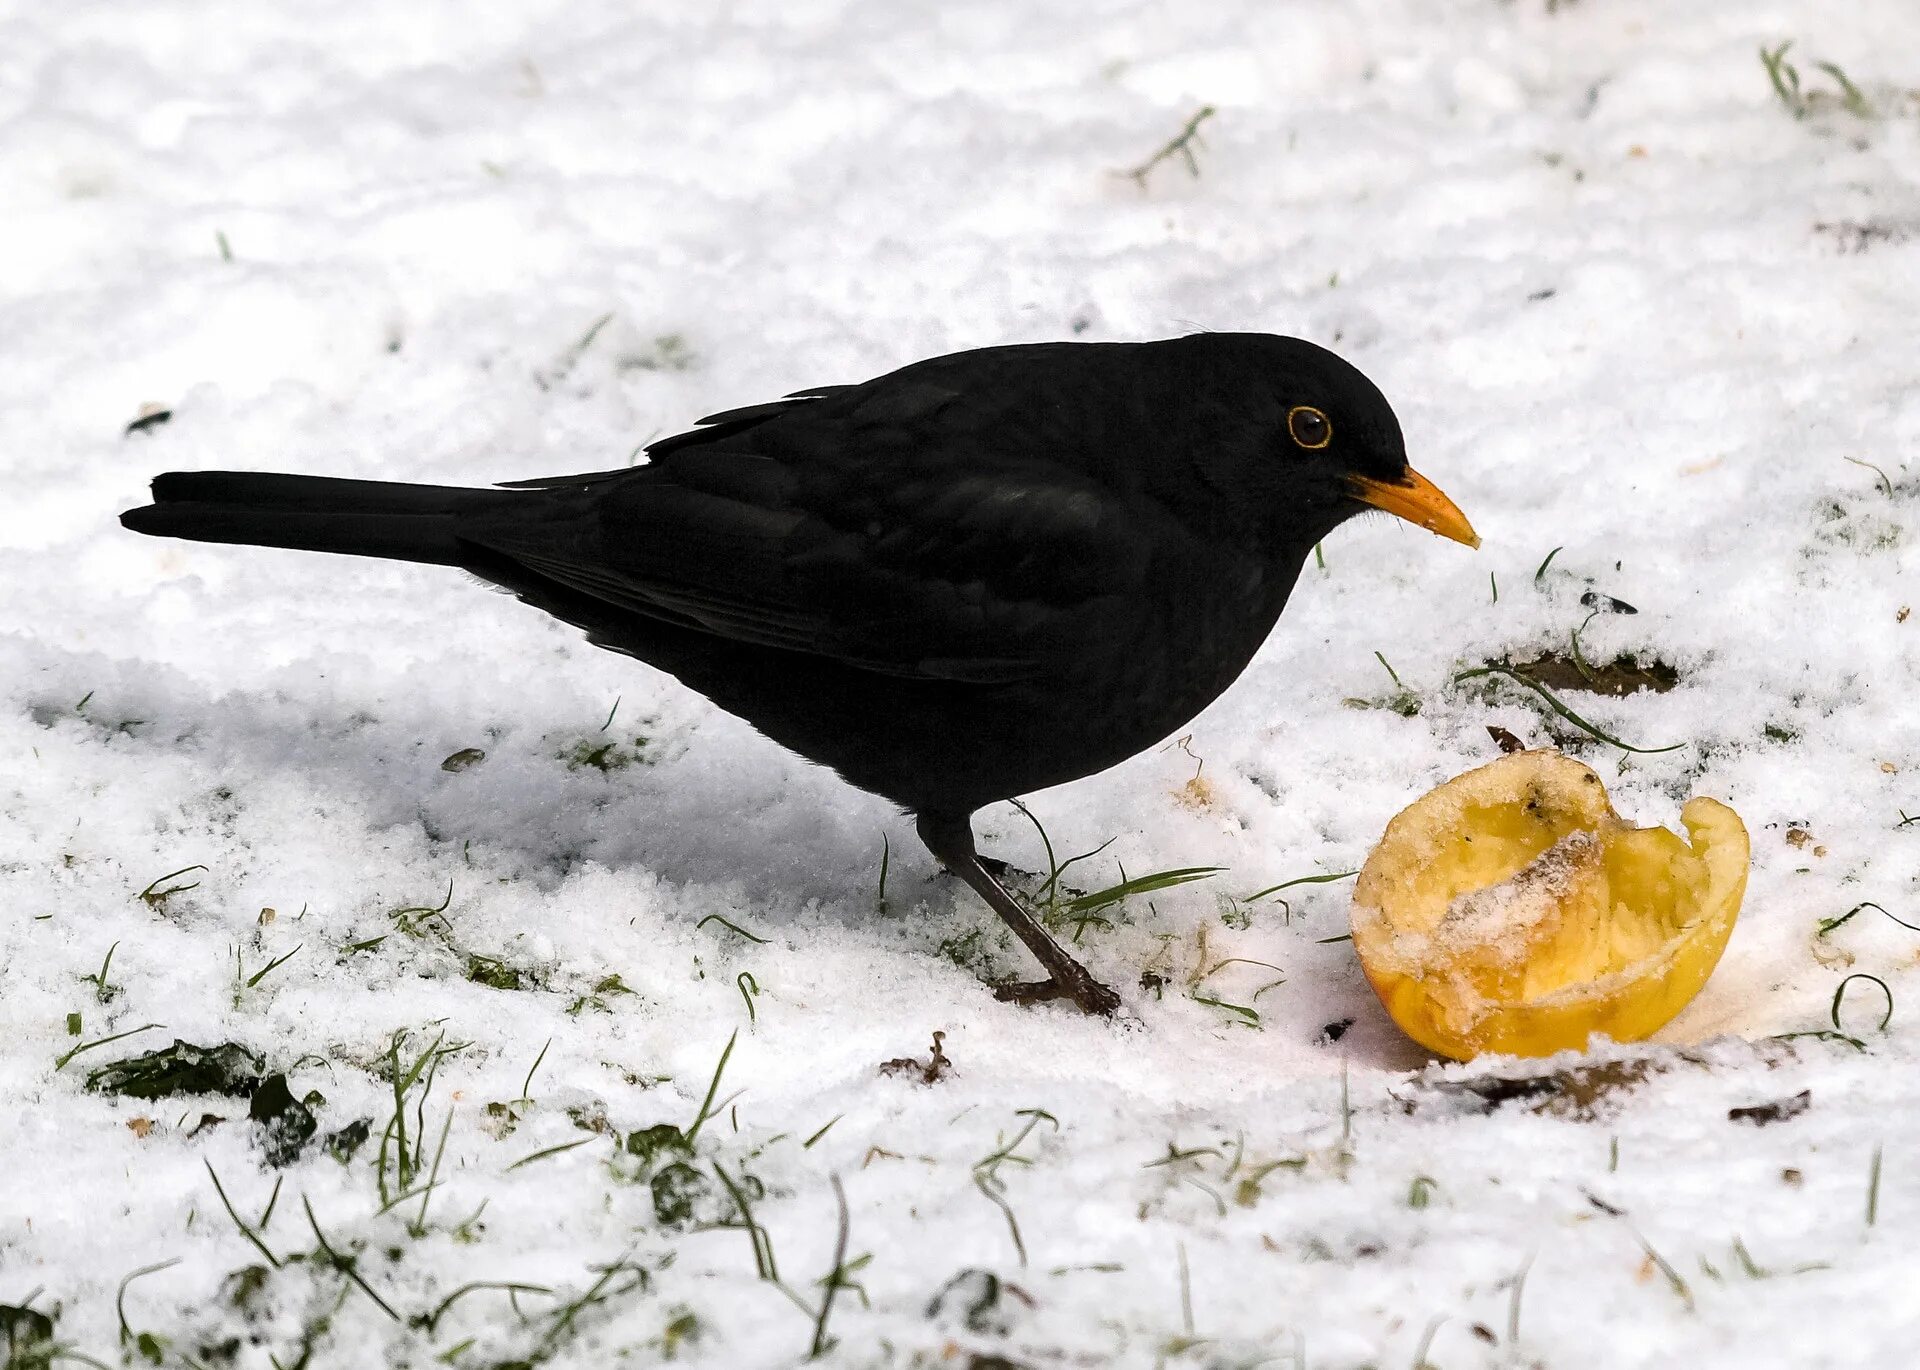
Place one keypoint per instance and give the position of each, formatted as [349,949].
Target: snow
[1627,306]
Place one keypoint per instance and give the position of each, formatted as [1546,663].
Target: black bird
[973,577]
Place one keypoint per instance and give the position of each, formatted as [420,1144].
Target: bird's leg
[951,842]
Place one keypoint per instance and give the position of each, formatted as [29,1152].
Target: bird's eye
[1309,427]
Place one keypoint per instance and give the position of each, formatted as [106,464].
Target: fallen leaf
[1196,794]
[1776,1111]
[1505,740]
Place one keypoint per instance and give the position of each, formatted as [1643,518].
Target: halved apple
[1513,910]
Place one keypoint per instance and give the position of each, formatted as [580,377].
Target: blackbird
[976,576]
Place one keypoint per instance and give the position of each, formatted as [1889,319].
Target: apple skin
[1622,935]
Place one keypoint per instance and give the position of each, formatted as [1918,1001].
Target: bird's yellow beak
[1419,501]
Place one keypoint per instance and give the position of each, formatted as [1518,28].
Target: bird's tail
[365,518]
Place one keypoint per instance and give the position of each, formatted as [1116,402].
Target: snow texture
[1629,303]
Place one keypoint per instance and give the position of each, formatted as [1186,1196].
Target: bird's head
[1315,442]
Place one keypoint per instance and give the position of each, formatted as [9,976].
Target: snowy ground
[1628,306]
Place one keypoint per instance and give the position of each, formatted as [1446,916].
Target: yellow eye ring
[1309,427]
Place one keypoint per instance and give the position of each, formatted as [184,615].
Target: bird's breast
[1182,655]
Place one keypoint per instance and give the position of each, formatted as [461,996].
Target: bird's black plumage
[976,576]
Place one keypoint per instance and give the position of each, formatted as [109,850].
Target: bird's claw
[1087,994]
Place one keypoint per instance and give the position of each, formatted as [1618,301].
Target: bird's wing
[728,423]
[915,532]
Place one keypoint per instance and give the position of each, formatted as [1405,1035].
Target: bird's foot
[1087,993]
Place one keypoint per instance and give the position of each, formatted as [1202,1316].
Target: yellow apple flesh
[1512,910]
